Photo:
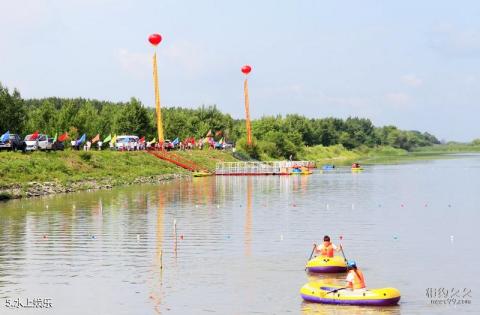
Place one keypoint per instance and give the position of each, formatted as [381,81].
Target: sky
[413,64]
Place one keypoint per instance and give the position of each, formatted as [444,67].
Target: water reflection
[248,217]
[240,242]
[325,309]
[157,272]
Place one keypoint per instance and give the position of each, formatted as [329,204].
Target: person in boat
[355,279]
[327,248]
[296,169]
[355,165]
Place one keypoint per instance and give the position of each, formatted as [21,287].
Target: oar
[311,254]
[341,249]
[336,290]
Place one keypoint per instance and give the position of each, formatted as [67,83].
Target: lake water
[241,243]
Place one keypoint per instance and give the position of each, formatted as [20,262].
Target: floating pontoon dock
[260,168]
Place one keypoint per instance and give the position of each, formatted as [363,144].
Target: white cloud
[134,63]
[181,58]
[454,42]
[22,13]
[186,57]
[397,99]
[412,80]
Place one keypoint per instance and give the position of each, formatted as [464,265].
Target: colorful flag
[35,135]
[108,138]
[218,133]
[142,139]
[209,134]
[55,138]
[152,142]
[96,138]
[221,141]
[82,139]
[114,139]
[5,137]
[176,141]
[63,137]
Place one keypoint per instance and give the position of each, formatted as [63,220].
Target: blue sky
[414,64]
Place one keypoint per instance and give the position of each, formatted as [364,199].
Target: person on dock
[355,279]
[327,248]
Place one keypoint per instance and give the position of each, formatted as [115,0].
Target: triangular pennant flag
[96,138]
[82,139]
[63,137]
[108,138]
[152,142]
[5,137]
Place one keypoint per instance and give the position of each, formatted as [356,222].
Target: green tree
[133,119]
[12,111]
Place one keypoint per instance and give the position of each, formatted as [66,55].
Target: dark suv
[13,143]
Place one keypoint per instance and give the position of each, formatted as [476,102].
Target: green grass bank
[43,173]
[339,155]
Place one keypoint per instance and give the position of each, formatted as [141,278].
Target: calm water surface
[241,242]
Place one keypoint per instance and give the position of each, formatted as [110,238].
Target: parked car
[14,143]
[228,145]
[58,146]
[168,145]
[128,143]
[40,143]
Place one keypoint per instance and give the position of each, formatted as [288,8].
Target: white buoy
[281,237]
[353,206]
[451,238]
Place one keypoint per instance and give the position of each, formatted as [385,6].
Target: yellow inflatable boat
[357,169]
[201,174]
[326,264]
[302,173]
[321,292]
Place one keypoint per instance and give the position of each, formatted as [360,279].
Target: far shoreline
[118,169]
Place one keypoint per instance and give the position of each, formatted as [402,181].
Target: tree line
[275,136]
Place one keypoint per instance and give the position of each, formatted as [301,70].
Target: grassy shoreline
[44,173]
[338,155]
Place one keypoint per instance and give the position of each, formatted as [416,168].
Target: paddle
[341,249]
[311,254]
[336,290]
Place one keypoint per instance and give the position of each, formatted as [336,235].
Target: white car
[128,143]
[40,143]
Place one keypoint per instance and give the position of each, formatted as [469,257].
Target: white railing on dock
[259,168]
[290,164]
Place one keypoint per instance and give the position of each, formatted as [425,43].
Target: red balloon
[246,69]
[155,39]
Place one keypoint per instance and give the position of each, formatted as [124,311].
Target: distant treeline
[274,136]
